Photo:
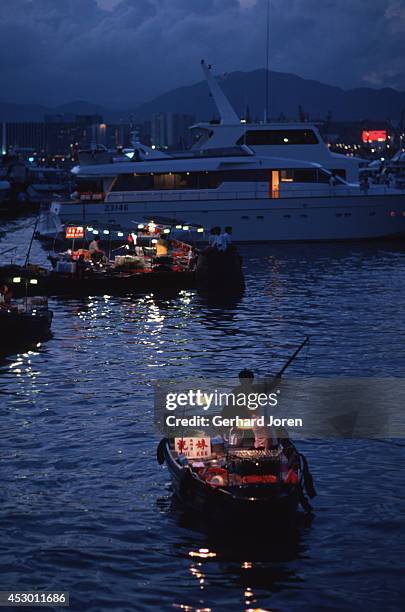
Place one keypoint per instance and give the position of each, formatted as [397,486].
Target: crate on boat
[66,267]
[128,261]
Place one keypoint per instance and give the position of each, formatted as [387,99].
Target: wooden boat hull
[19,330]
[57,284]
[220,271]
[252,506]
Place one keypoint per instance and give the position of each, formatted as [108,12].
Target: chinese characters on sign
[193,448]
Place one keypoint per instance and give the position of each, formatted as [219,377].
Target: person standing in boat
[225,239]
[5,296]
[162,246]
[257,436]
[214,238]
[96,253]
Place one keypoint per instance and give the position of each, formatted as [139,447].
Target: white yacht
[270,182]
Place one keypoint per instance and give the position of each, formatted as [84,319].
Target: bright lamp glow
[200,230]
[178,226]
[166,231]
[17,279]
[89,229]
[33,281]
[106,232]
[141,226]
[120,234]
[186,227]
[95,232]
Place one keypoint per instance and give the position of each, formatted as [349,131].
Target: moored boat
[98,282]
[20,328]
[220,271]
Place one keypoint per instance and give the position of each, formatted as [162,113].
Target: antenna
[266,109]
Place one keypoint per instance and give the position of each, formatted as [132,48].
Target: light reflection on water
[86,507]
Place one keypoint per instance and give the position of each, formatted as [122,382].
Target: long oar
[291,359]
[27,257]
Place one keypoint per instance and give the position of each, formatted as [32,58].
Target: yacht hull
[253,219]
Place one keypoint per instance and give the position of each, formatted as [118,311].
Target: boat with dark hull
[19,330]
[220,271]
[50,283]
[253,502]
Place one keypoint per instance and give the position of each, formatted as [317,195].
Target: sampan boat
[21,329]
[220,271]
[39,281]
[247,491]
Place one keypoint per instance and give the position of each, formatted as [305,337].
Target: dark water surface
[86,508]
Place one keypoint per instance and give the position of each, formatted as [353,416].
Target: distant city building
[57,135]
[32,135]
[171,130]
[61,135]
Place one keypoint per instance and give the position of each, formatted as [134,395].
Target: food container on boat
[66,267]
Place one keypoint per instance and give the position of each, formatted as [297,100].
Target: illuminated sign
[74,232]
[374,136]
[193,448]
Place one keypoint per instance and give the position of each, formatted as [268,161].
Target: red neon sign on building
[374,135]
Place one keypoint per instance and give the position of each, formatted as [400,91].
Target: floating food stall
[235,486]
[149,259]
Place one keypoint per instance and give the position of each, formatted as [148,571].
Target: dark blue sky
[122,52]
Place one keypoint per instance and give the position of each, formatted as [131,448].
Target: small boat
[242,488]
[150,261]
[20,329]
[39,281]
[220,271]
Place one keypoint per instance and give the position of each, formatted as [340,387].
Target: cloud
[122,52]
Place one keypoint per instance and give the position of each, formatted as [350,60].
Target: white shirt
[224,240]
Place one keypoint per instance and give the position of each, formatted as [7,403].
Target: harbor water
[86,509]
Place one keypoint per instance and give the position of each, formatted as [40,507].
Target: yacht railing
[214,195]
[207,195]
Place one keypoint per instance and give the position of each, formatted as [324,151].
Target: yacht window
[89,186]
[200,136]
[305,175]
[168,180]
[339,173]
[278,137]
[323,176]
[131,182]
[286,176]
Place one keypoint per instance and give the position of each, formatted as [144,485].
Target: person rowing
[244,403]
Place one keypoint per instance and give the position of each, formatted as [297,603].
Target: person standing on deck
[225,239]
[213,240]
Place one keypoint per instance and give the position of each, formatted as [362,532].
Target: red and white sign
[374,136]
[74,232]
[193,448]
